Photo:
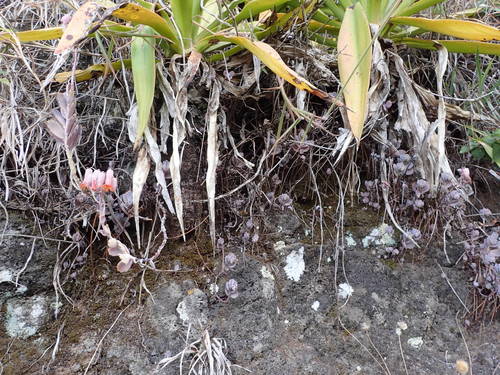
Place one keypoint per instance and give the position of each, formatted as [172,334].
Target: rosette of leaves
[352,26]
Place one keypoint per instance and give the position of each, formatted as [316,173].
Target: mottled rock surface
[337,317]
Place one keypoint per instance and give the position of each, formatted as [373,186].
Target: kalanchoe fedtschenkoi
[230,261]
[231,288]
[63,125]
[465,176]
[99,181]
[446,180]
[407,242]
[285,201]
[421,187]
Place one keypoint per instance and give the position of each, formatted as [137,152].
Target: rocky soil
[293,314]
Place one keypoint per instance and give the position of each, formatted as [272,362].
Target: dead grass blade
[181,127]
[412,119]
[141,172]
[154,152]
[440,123]
[212,153]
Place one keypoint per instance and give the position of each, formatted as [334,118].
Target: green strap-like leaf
[410,7]
[184,13]
[144,73]
[457,46]
[140,15]
[468,30]
[33,35]
[254,7]
[354,60]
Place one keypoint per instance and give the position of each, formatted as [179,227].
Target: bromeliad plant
[355,28]
[196,30]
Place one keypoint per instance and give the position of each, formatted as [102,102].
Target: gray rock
[25,316]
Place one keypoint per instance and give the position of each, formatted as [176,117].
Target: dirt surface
[291,316]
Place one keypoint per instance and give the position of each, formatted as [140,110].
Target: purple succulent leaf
[63,127]
[285,200]
[230,261]
[231,288]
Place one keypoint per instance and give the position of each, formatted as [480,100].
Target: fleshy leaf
[79,26]
[63,126]
[354,60]
[144,73]
[33,35]
[456,46]
[463,29]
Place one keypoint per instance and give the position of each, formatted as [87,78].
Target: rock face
[25,316]
[356,314]
[26,268]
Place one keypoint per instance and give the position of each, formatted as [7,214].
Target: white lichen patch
[6,276]
[24,317]
[345,291]
[214,288]
[349,240]
[415,342]
[192,308]
[380,236]
[295,265]
[315,305]
[403,326]
[266,274]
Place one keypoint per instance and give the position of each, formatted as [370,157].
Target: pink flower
[110,182]
[87,180]
[99,181]
[118,249]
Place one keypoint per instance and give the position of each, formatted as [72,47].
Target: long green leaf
[33,35]
[457,46]
[335,8]
[254,7]
[354,61]
[92,71]
[140,15]
[184,13]
[468,30]
[319,27]
[144,74]
[407,10]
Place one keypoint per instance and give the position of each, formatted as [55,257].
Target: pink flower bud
[87,180]
[99,178]
[110,182]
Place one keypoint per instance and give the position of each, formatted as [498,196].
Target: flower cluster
[99,181]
